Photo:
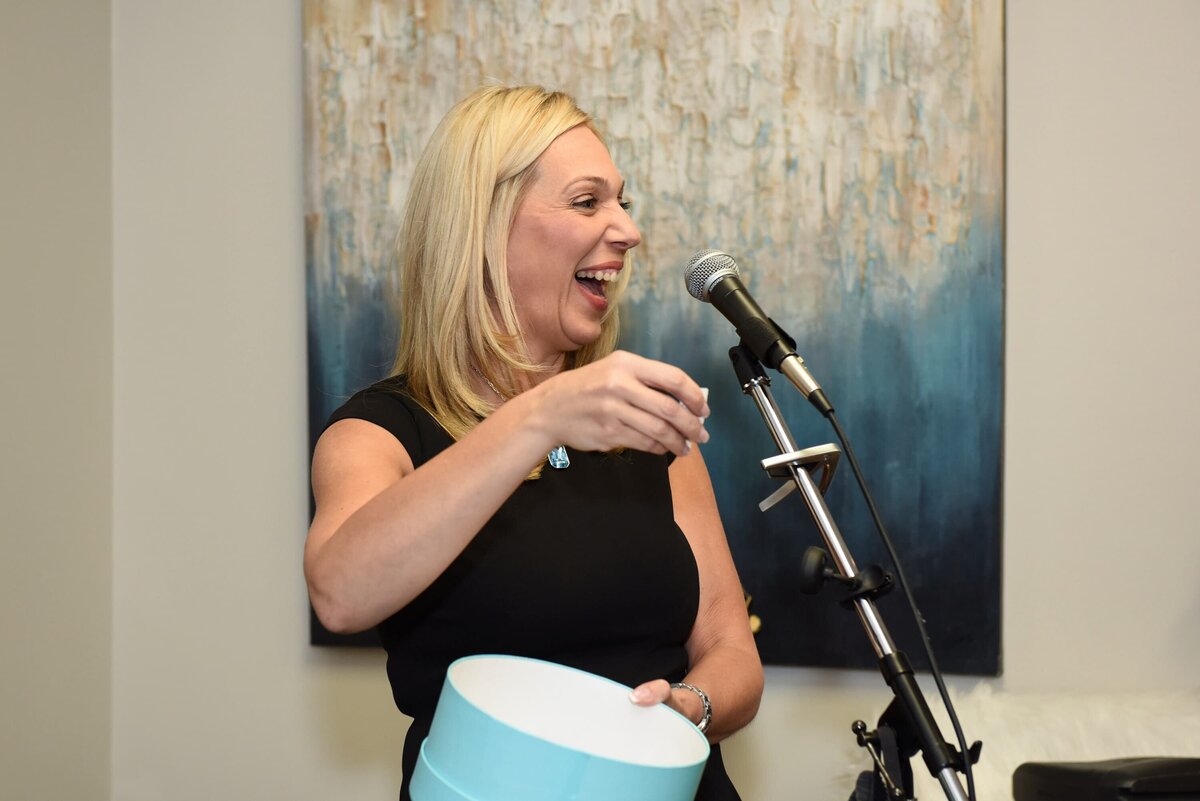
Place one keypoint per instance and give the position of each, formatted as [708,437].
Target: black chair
[1136,779]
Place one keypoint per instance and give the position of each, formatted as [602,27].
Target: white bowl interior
[577,710]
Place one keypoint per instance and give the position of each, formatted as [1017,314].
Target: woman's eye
[592,203]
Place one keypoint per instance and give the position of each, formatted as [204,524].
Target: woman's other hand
[659,691]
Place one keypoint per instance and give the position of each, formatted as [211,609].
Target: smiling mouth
[596,282]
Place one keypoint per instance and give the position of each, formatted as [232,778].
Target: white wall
[215,694]
[56,358]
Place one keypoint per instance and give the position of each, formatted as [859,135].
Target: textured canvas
[848,154]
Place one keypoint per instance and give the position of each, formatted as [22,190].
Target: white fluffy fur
[1060,727]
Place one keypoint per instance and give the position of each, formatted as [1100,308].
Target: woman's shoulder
[387,404]
[385,396]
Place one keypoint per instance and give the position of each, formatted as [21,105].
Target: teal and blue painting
[849,156]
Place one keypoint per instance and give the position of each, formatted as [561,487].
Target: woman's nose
[624,231]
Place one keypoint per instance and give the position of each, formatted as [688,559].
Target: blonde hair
[456,309]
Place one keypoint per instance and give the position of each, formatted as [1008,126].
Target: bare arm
[721,650]
[383,531]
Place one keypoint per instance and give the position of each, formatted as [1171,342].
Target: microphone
[713,277]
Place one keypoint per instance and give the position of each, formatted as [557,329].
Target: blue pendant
[558,458]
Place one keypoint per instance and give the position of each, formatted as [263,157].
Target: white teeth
[599,275]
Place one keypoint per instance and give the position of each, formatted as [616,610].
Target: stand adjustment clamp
[871,582]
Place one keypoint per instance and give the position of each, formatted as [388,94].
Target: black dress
[583,566]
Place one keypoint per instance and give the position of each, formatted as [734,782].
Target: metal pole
[759,389]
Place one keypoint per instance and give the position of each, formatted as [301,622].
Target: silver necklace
[557,457]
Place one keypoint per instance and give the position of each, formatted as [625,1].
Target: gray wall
[56,408]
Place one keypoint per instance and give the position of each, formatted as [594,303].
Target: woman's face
[567,243]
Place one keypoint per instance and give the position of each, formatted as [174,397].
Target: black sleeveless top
[584,567]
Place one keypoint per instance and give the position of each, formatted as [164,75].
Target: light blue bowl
[513,729]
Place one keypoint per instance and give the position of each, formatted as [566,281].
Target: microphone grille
[703,268]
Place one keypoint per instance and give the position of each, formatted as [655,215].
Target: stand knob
[815,571]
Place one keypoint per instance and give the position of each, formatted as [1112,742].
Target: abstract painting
[849,155]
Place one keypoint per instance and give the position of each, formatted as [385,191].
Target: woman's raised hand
[622,401]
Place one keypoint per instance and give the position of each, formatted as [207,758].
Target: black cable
[912,603]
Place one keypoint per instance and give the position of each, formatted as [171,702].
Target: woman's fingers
[659,692]
[626,401]
[651,693]
[657,429]
[672,400]
[680,387]
[662,418]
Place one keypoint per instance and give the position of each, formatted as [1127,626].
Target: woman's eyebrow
[595,179]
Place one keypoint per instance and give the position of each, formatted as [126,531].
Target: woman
[516,487]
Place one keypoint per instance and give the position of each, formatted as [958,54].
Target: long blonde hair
[456,309]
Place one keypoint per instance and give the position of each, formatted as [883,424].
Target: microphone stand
[908,716]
